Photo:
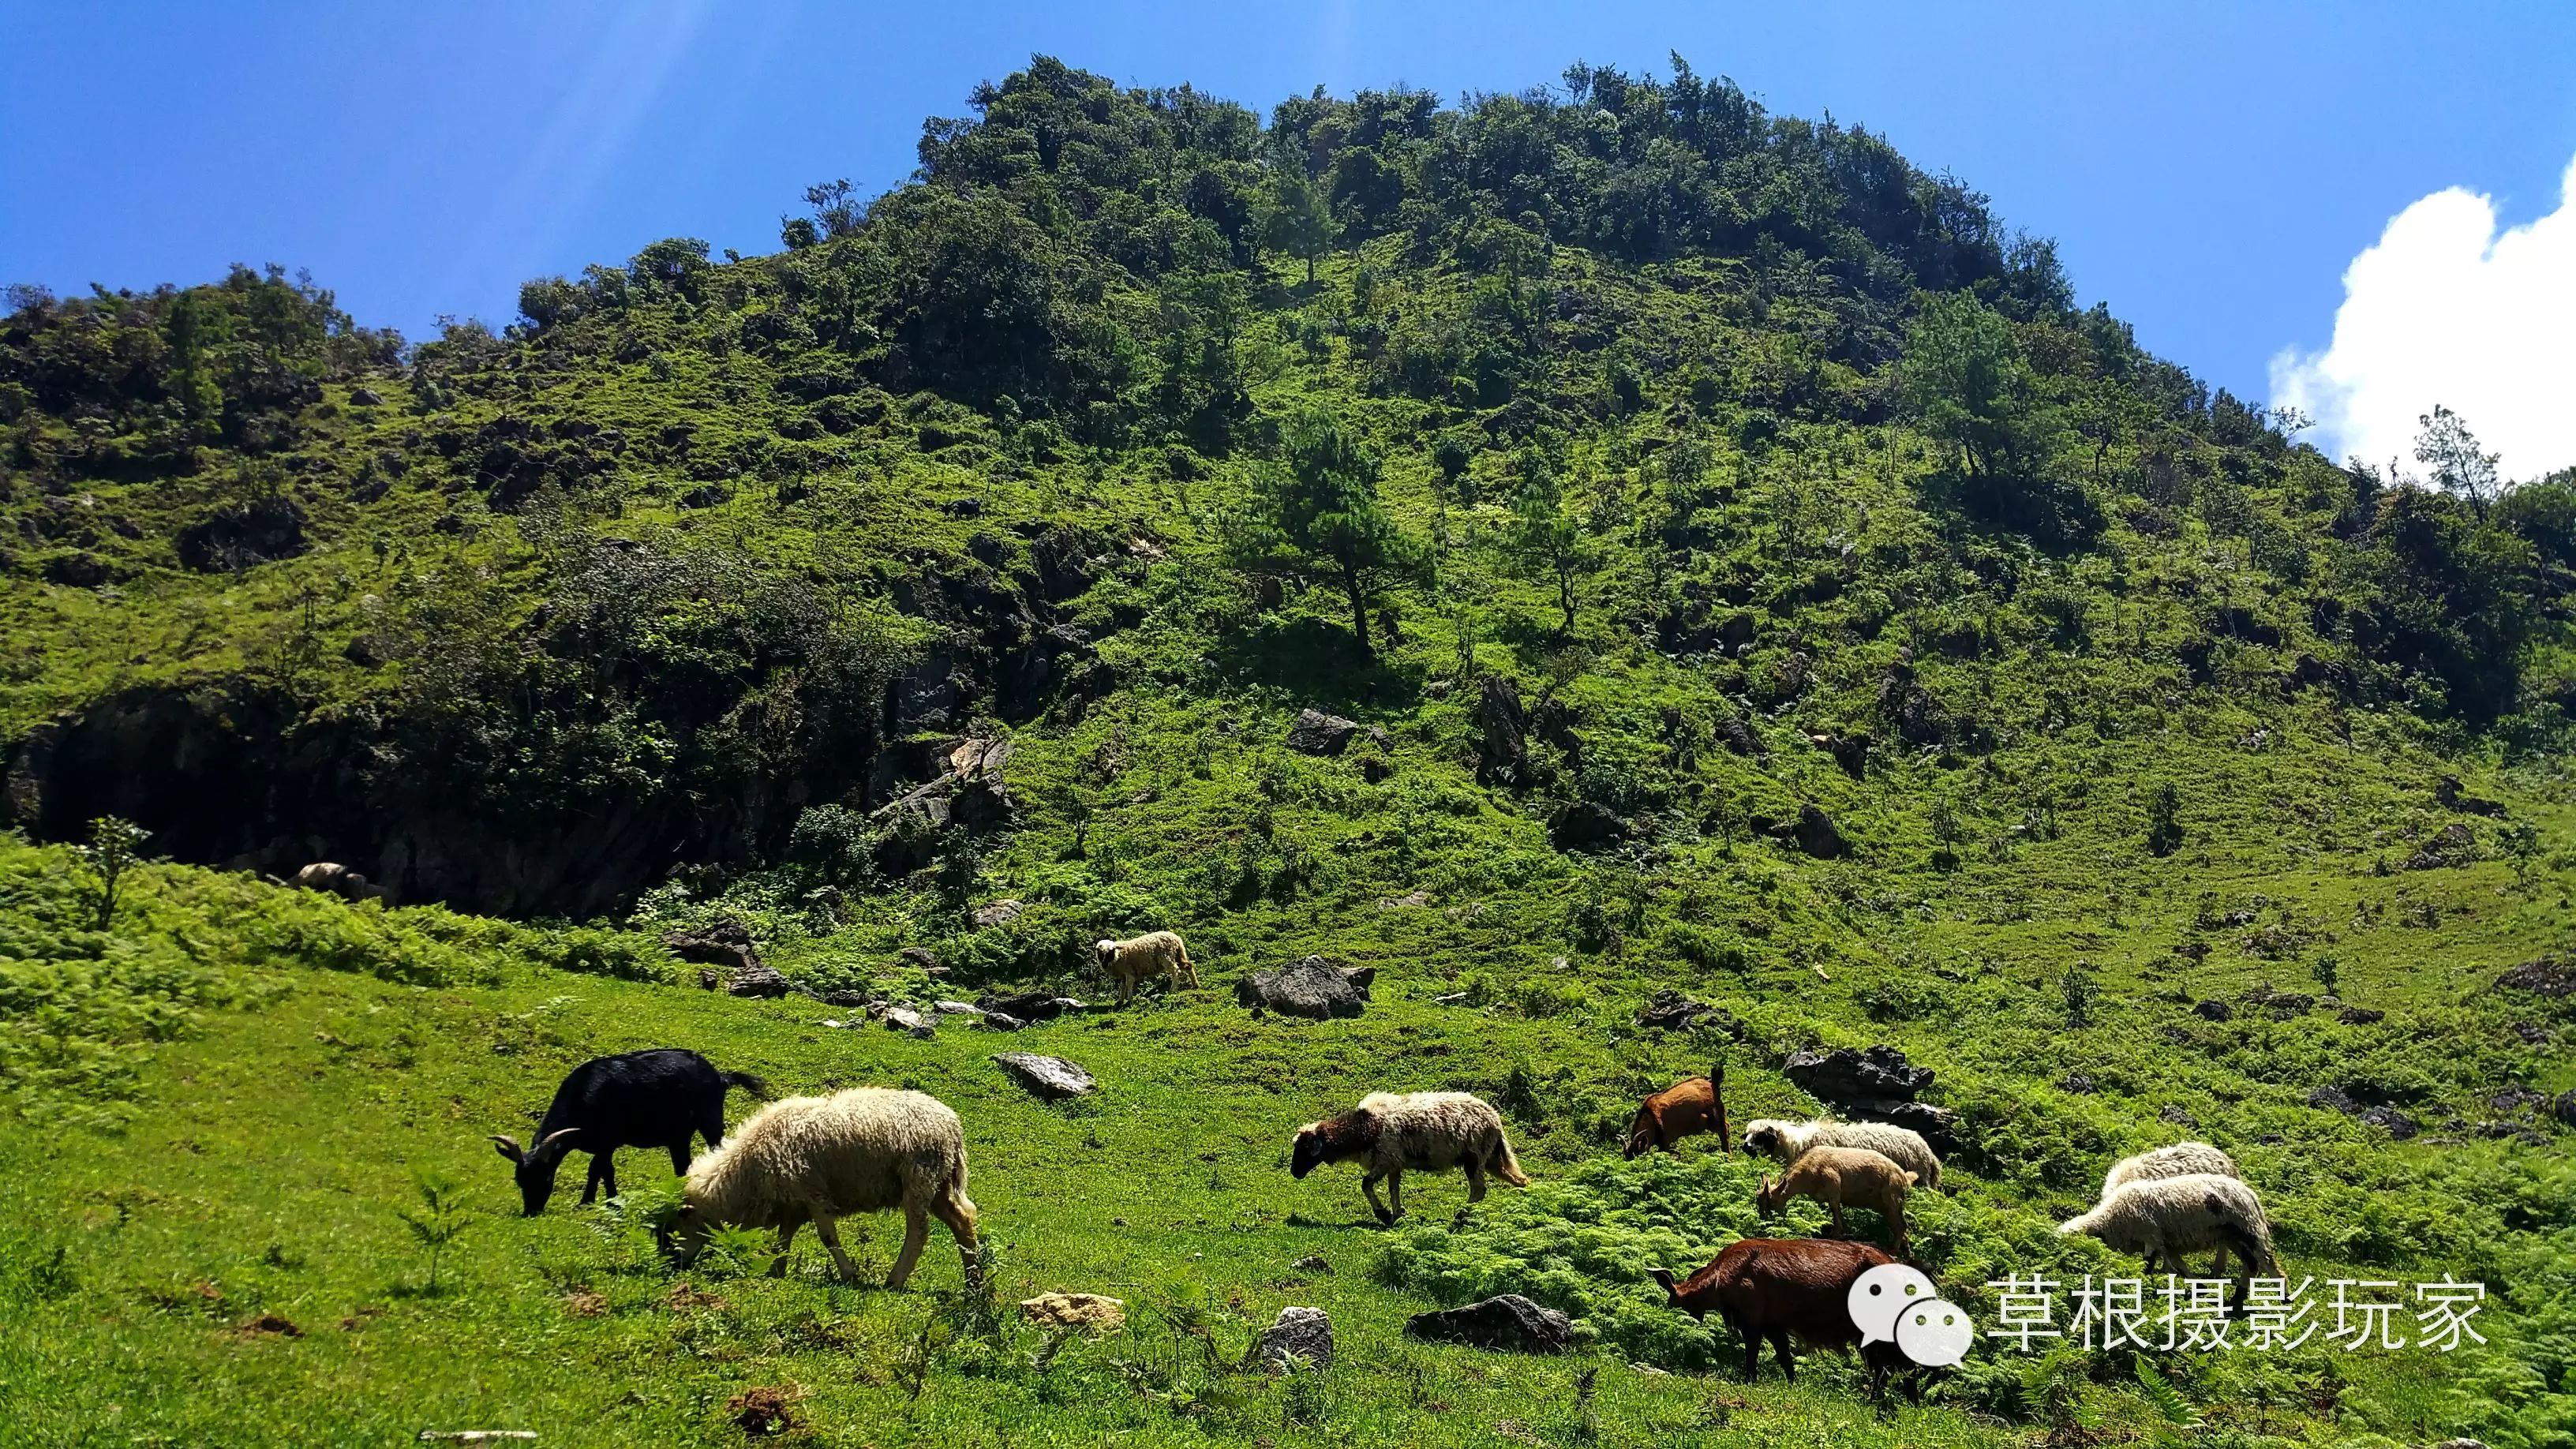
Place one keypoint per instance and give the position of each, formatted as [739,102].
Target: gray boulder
[908,1021]
[1028,1006]
[1310,987]
[1050,1079]
[1318,733]
[1508,1321]
[1301,1334]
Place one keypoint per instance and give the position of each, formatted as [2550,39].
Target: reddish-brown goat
[1787,1288]
[1684,1109]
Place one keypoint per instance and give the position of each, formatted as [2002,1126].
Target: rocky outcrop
[1508,1322]
[1050,1079]
[1875,1085]
[1309,987]
[1302,1338]
[1316,733]
[434,798]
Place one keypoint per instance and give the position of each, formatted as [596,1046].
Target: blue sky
[2209,170]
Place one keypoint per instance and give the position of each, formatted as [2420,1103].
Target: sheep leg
[958,1216]
[1368,1189]
[786,1236]
[1475,1180]
[830,1233]
[1840,1230]
[1395,1193]
[916,1232]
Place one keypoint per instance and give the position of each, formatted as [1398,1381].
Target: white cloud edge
[2445,308]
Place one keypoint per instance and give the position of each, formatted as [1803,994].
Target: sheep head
[1307,1153]
[1335,1139]
[1104,952]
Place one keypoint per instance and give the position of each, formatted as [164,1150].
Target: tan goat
[1841,1177]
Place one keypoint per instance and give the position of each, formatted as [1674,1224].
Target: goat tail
[1505,1165]
[747,1082]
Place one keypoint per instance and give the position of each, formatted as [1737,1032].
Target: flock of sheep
[871,1149]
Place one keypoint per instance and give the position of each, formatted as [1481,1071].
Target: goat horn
[509,1147]
[554,1137]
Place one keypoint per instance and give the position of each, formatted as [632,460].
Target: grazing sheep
[1784,1141]
[2180,1160]
[1840,1177]
[332,878]
[1157,955]
[821,1158]
[1390,1133]
[658,1098]
[2163,1218]
[1783,1289]
[1684,1109]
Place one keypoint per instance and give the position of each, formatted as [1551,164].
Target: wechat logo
[1893,1303]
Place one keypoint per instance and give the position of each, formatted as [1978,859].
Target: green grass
[273,1143]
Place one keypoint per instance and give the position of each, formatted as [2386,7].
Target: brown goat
[1684,1109]
[1787,1288]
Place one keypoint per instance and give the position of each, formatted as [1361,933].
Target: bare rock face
[1502,735]
[1318,733]
[1302,1335]
[1818,835]
[1050,1079]
[759,981]
[724,943]
[2552,975]
[1028,1006]
[1876,1085]
[1585,825]
[1310,987]
[1509,1322]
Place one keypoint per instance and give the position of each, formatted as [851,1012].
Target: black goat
[658,1098]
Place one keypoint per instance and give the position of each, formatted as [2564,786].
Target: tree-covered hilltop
[1717,557]
[529,618]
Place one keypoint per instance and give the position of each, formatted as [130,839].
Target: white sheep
[1785,1142]
[1154,956]
[820,1158]
[332,878]
[1390,1133]
[2163,1218]
[2182,1159]
[1842,1177]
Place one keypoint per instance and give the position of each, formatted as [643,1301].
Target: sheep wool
[1787,1141]
[1390,1134]
[2163,1218]
[2182,1159]
[819,1158]
[1156,955]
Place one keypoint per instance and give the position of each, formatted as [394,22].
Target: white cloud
[2444,309]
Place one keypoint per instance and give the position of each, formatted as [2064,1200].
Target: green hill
[1741,569]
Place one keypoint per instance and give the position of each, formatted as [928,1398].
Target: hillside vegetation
[1746,574]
